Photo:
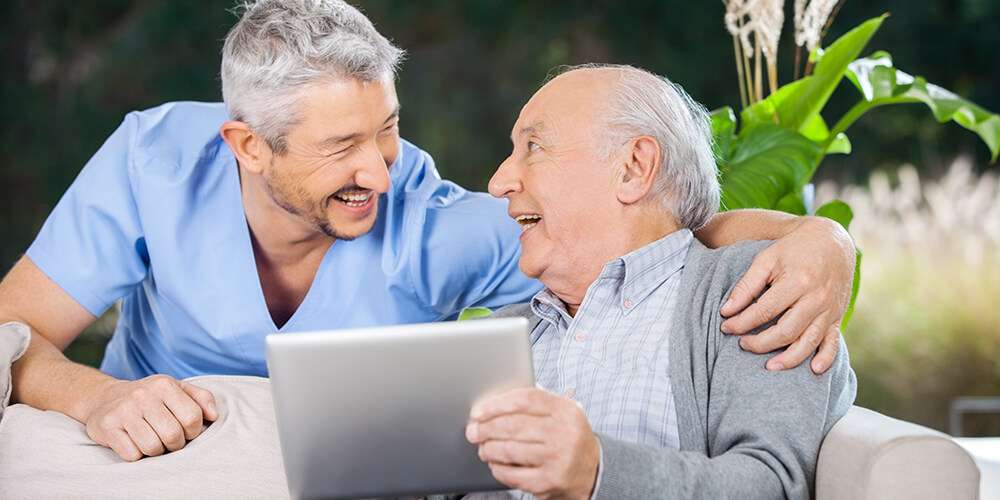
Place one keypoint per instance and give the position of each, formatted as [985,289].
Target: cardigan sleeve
[745,432]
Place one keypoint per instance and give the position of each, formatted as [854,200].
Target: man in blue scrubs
[296,206]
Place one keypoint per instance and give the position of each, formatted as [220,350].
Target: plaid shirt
[613,356]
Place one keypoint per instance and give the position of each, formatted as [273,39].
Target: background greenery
[71,70]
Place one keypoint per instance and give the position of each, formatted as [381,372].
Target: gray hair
[643,103]
[280,46]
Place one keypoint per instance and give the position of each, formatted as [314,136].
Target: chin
[528,270]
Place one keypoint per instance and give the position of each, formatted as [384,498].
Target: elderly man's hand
[537,442]
[808,276]
[149,416]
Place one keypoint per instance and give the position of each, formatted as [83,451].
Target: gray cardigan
[744,431]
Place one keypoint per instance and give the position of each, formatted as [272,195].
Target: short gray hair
[643,103]
[280,46]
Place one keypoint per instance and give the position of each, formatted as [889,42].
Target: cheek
[389,148]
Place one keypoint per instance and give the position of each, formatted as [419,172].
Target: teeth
[354,200]
[527,221]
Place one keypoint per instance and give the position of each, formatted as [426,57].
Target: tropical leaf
[838,211]
[818,132]
[723,130]
[880,83]
[474,312]
[796,104]
[766,163]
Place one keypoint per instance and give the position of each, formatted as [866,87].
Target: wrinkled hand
[150,416]
[810,272]
[537,442]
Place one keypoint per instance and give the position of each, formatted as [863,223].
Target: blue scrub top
[156,217]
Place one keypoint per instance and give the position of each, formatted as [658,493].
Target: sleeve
[757,433]
[765,444]
[92,244]
[466,251]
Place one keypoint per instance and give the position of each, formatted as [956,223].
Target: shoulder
[178,133]
[522,310]
[715,271]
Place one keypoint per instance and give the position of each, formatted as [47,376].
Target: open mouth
[527,221]
[354,200]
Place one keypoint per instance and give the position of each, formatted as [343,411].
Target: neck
[278,236]
[640,228]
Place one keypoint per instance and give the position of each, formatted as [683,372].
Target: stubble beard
[283,194]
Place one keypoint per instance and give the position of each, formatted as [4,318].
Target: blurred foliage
[924,329]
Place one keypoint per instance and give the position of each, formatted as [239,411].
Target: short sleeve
[459,247]
[92,244]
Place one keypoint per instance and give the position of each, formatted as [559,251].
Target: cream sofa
[48,455]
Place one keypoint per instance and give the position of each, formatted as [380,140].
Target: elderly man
[296,206]
[646,398]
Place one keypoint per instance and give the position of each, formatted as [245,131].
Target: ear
[250,149]
[642,165]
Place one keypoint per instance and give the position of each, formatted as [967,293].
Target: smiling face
[338,157]
[560,188]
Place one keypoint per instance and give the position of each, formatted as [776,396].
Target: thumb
[749,287]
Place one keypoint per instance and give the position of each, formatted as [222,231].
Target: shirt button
[580,337]
[569,392]
[628,304]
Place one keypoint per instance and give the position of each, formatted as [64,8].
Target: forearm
[45,379]
[631,470]
[727,228]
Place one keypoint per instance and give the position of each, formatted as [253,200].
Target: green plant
[770,154]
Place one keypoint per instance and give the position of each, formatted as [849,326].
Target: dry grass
[926,326]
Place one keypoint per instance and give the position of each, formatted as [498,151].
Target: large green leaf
[837,210]
[766,163]
[723,130]
[880,83]
[796,104]
[817,131]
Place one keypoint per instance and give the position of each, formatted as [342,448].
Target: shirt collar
[648,267]
[640,272]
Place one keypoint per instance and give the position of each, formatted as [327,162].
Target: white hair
[642,103]
[281,46]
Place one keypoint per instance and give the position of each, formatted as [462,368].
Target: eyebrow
[534,128]
[338,139]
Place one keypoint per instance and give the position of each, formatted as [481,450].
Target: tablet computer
[382,411]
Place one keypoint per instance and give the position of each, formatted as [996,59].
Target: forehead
[345,106]
[570,103]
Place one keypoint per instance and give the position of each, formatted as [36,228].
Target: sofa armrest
[867,455]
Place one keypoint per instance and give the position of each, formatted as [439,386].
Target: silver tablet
[382,411]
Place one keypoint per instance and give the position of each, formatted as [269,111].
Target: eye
[391,128]
[532,147]
[339,153]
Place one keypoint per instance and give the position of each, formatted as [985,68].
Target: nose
[373,170]
[505,181]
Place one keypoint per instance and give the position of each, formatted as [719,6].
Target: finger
[797,351]
[204,398]
[120,442]
[188,412]
[515,427]
[512,453]
[750,285]
[144,437]
[828,351]
[524,400]
[530,479]
[167,428]
[789,328]
[772,303]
